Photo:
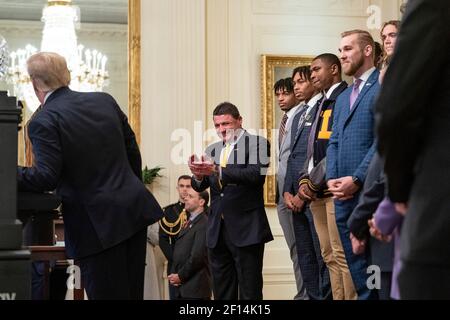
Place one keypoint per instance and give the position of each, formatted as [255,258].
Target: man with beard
[351,145]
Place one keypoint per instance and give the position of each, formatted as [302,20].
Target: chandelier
[87,67]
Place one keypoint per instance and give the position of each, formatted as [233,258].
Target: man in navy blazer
[85,149]
[237,224]
[352,144]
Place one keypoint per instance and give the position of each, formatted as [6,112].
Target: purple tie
[355,92]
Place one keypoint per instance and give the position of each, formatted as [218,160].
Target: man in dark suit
[170,224]
[235,171]
[413,129]
[314,271]
[84,148]
[326,76]
[190,274]
[352,143]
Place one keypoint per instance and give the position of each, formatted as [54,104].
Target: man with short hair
[326,78]
[314,272]
[284,93]
[235,170]
[351,146]
[84,148]
[189,273]
[170,224]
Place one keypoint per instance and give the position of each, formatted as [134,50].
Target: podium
[15,273]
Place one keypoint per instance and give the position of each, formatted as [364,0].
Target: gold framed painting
[274,68]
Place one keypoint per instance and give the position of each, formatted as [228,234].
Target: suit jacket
[413,128]
[238,200]
[190,260]
[85,149]
[283,156]
[352,143]
[299,143]
[318,150]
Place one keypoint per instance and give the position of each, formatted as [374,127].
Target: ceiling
[93,11]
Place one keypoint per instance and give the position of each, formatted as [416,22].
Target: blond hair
[48,71]
[364,38]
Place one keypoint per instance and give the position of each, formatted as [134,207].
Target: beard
[354,66]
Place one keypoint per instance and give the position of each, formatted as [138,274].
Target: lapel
[309,118]
[191,225]
[373,79]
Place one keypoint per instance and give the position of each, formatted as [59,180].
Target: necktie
[282,131]
[355,92]
[225,154]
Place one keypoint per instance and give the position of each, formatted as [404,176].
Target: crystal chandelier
[87,67]
[4,57]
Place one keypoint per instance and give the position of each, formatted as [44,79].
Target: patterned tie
[355,92]
[282,131]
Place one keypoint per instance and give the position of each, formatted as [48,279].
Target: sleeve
[401,113]
[46,171]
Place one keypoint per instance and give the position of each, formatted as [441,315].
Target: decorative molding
[349,8]
[134,67]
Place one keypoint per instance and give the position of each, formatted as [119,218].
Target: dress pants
[236,271]
[331,248]
[314,271]
[116,273]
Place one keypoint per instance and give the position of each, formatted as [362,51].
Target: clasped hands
[343,188]
[174,279]
[202,167]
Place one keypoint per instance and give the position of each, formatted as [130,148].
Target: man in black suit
[190,275]
[235,171]
[413,128]
[85,149]
[171,223]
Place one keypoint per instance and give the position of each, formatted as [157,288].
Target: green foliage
[149,175]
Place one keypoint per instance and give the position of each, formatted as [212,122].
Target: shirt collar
[238,138]
[365,76]
[331,90]
[292,111]
[48,95]
[312,102]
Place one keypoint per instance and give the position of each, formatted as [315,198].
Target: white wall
[198,53]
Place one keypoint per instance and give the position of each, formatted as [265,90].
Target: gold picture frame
[134,67]
[274,68]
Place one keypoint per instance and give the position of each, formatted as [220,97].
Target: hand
[305,193]
[297,203]
[174,279]
[201,168]
[288,200]
[358,246]
[343,188]
[401,208]
[376,233]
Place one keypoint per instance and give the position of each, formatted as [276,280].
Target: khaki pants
[331,249]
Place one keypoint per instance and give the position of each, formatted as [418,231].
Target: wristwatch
[357,181]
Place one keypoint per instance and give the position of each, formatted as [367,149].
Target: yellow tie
[225,154]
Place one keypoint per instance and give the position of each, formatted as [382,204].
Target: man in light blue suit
[352,144]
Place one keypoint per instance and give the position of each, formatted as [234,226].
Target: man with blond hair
[85,149]
[351,146]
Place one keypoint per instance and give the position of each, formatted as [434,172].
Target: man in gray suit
[289,104]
